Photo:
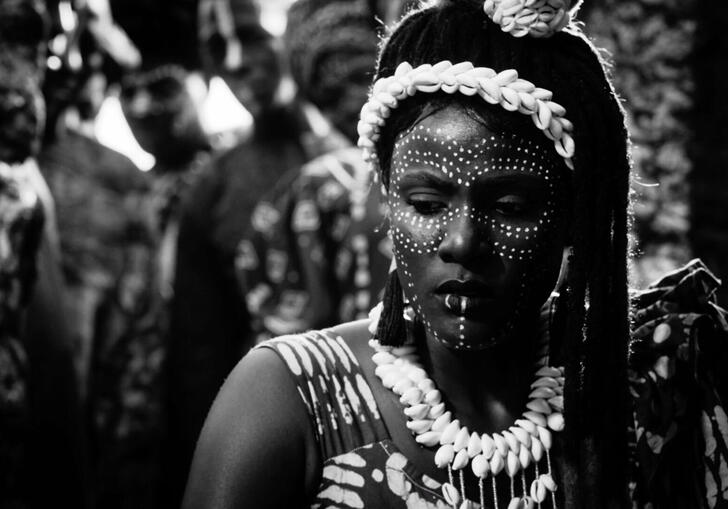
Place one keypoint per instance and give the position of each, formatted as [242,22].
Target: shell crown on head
[536,18]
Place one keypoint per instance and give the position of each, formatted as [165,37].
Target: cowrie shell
[524,457]
[444,455]
[461,439]
[391,378]
[426,385]
[537,449]
[557,403]
[441,422]
[450,494]
[548,371]
[512,464]
[461,460]
[496,464]
[428,438]
[545,436]
[556,421]
[527,425]
[433,397]
[521,435]
[535,418]
[402,386]
[548,482]
[412,397]
[521,503]
[384,370]
[436,411]
[538,491]
[419,426]
[545,382]
[542,392]
[513,443]
[416,374]
[381,358]
[515,503]
[539,405]
[500,444]
[417,412]
[480,466]
[449,433]
[475,445]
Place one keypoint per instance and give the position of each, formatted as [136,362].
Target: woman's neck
[487,390]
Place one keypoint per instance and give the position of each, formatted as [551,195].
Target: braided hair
[594,344]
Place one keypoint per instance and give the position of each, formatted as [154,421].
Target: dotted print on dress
[463,165]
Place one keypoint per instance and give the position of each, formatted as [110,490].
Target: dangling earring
[558,305]
[392,329]
[566,257]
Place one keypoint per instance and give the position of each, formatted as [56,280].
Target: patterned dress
[679,454]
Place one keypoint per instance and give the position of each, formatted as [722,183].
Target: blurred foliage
[650,44]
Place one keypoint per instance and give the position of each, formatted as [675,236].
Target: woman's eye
[511,205]
[426,204]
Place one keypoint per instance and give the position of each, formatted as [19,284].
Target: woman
[498,192]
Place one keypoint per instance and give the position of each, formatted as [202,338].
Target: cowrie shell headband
[504,88]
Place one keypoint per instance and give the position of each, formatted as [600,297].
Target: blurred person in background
[116,223]
[314,254]
[107,251]
[209,325]
[39,413]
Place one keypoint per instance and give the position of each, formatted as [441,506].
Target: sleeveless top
[679,452]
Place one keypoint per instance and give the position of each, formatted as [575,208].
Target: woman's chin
[472,337]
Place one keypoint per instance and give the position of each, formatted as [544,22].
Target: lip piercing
[457,304]
[452,303]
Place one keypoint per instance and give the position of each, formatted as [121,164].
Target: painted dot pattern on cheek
[417,234]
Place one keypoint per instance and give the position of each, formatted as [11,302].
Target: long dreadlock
[593,347]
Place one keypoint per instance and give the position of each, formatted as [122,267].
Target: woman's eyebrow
[426,177]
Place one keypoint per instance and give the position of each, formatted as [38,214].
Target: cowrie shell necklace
[524,445]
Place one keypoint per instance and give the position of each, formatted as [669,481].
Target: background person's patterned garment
[107,218]
[317,253]
[21,228]
[679,455]
[679,357]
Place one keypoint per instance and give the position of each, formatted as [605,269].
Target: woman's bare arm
[256,448]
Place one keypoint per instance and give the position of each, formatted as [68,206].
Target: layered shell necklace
[514,451]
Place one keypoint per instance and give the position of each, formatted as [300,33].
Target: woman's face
[479,223]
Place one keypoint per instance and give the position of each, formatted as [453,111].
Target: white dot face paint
[478,221]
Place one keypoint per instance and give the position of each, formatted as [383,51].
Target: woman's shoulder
[256,425]
[325,352]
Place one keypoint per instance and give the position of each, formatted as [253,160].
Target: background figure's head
[332,48]
[163,115]
[236,47]
[595,304]
[22,34]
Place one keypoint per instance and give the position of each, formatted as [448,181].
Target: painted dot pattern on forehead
[422,234]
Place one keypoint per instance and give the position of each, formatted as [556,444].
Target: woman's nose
[464,240]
